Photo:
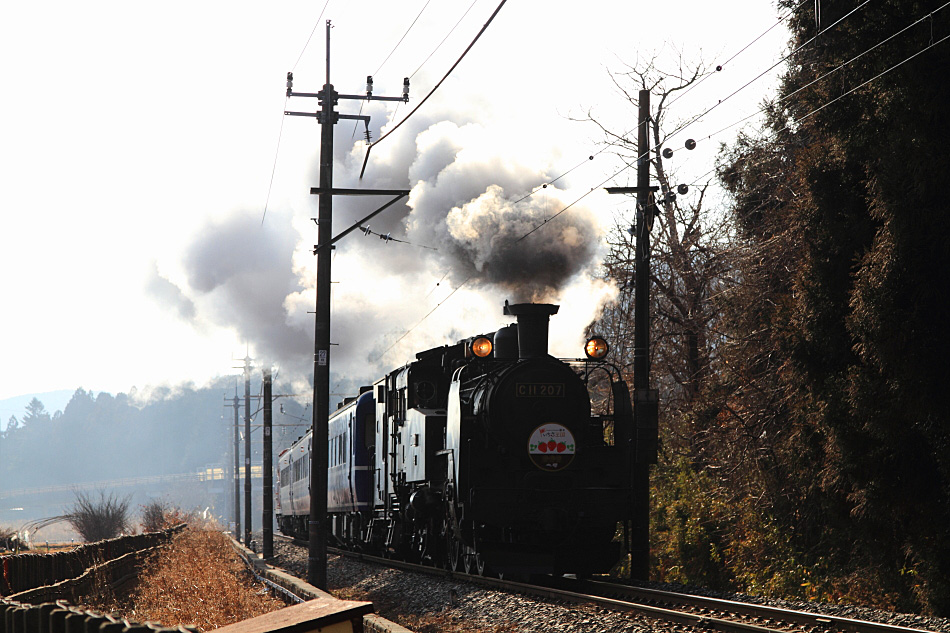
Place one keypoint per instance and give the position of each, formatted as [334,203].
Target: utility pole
[267,467]
[247,451]
[645,399]
[237,471]
[328,117]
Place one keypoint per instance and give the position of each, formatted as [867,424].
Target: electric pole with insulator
[328,117]
[247,451]
[237,470]
[267,466]
[645,399]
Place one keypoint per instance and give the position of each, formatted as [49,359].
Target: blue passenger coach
[349,483]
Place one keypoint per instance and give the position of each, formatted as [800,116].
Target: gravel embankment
[424,603]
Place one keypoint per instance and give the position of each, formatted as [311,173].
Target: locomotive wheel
[480,567]
[468,559]
[453,553]
[473,562]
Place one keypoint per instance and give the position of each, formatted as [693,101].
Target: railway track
[726,614]
[663,606]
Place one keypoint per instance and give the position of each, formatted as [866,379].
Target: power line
[387,237]
[680,128]
[299,57]
[436,87]
[396,109]
[429,313]
[622,137]
[280,134]
[273,170]
[723,65]
[841,96]
[403,37]
[566,208]
[452,30]
[764,72]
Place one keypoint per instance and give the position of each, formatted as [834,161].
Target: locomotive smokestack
[532,327]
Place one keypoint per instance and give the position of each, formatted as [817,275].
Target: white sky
[128,128]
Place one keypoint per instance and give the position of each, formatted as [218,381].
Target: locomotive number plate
[539,389]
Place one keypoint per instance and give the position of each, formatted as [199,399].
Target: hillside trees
[100,437]
[839,320]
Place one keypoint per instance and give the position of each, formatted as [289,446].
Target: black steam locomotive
[486,456]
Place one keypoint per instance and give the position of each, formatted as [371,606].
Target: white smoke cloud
[391,300]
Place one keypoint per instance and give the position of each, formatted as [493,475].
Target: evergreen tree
[848,186]
[35,413]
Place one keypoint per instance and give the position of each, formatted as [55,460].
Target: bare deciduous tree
[689,258]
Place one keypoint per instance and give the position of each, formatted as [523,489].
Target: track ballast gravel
[465,608]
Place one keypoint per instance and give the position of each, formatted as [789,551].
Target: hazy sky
[138,142]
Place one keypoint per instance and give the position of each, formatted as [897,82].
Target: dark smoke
[502,243]
[469,201]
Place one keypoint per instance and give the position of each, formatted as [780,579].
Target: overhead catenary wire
[452,30]
[307,44]
[280,134]
[434,88]
[418,15]
[273,170]
[623,136]
[630,164]
[844,94]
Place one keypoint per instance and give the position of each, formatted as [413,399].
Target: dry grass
[199,580]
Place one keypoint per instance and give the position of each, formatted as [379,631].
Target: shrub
[97,520]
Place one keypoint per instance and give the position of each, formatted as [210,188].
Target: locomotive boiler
[487,456]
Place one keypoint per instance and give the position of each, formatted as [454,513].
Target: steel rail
[659,613]
[642,600]
[804,619]
[620,597]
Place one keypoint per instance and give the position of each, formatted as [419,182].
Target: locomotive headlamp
[481,346]
[596,348]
